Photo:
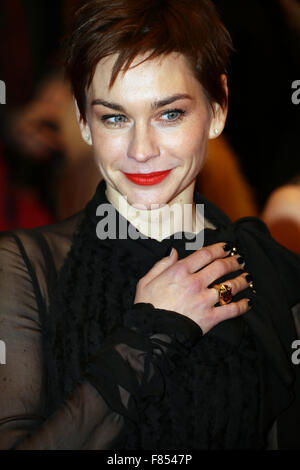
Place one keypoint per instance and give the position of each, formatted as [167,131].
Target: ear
[84,127]
[220,113]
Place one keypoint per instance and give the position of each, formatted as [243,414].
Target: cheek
[108,149]
[196,136]
[190,141]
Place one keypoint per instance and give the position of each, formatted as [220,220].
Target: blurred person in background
[265,64]
[282,214]
[28,45]
[233,193]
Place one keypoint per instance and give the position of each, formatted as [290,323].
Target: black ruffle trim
[109,370]
[150,320]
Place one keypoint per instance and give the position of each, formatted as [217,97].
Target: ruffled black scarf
[211,396]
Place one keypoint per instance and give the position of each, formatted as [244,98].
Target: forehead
[160,76]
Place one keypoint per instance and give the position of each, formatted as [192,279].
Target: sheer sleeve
[127,368]
[132,361]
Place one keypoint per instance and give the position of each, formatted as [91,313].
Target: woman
[113,340]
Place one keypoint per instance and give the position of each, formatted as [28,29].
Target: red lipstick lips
[147,178]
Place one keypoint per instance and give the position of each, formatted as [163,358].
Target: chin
[148,197]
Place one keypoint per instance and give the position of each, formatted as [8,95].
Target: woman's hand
[182,285]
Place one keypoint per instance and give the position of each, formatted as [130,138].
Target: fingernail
[227,247]
[250,303]
[249,278]
[241,260]
[169,251]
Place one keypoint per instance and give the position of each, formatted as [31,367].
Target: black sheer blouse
[243,365]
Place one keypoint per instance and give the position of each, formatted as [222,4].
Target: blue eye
[120,119]
[174,115]
[117,120]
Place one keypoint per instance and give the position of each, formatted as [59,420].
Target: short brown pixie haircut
[132,27]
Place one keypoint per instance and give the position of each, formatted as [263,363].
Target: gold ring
[225,294]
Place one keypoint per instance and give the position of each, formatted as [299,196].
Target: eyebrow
[155,105]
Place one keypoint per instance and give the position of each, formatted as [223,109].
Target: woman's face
[155,118]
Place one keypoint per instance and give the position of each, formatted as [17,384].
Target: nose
[142,146]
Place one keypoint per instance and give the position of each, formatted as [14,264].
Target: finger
[237,284]
[232,310]
[161,266]
[219,268]
[205,256]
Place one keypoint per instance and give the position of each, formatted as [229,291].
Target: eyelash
[169,111]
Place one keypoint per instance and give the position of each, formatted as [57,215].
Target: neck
[178,215]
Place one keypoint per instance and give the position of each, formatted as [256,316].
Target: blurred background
[47,172]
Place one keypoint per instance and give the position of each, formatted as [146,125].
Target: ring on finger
[225,293]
